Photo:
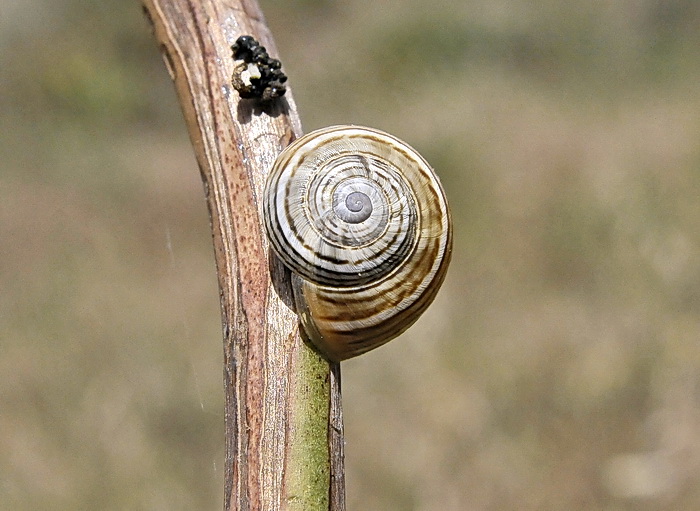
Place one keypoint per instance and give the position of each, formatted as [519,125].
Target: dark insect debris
[256,74]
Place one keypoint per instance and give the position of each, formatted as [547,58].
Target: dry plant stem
[284,443]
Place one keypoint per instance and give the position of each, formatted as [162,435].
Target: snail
[361,221]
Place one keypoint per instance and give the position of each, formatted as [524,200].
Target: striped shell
[362,222]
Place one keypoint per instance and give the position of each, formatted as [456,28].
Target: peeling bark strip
[284,429]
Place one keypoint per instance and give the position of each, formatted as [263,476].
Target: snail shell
[361,220]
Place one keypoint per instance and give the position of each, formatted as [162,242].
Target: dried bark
[284,430]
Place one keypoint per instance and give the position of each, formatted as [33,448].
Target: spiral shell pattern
[361,220]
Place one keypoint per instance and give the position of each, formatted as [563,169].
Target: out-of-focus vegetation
[558,369]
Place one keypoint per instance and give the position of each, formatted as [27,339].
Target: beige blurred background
[560,366]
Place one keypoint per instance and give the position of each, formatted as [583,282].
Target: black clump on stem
[256,74]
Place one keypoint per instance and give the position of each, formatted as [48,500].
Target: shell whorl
[361,220]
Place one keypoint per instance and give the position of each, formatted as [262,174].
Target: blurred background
[558,369]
